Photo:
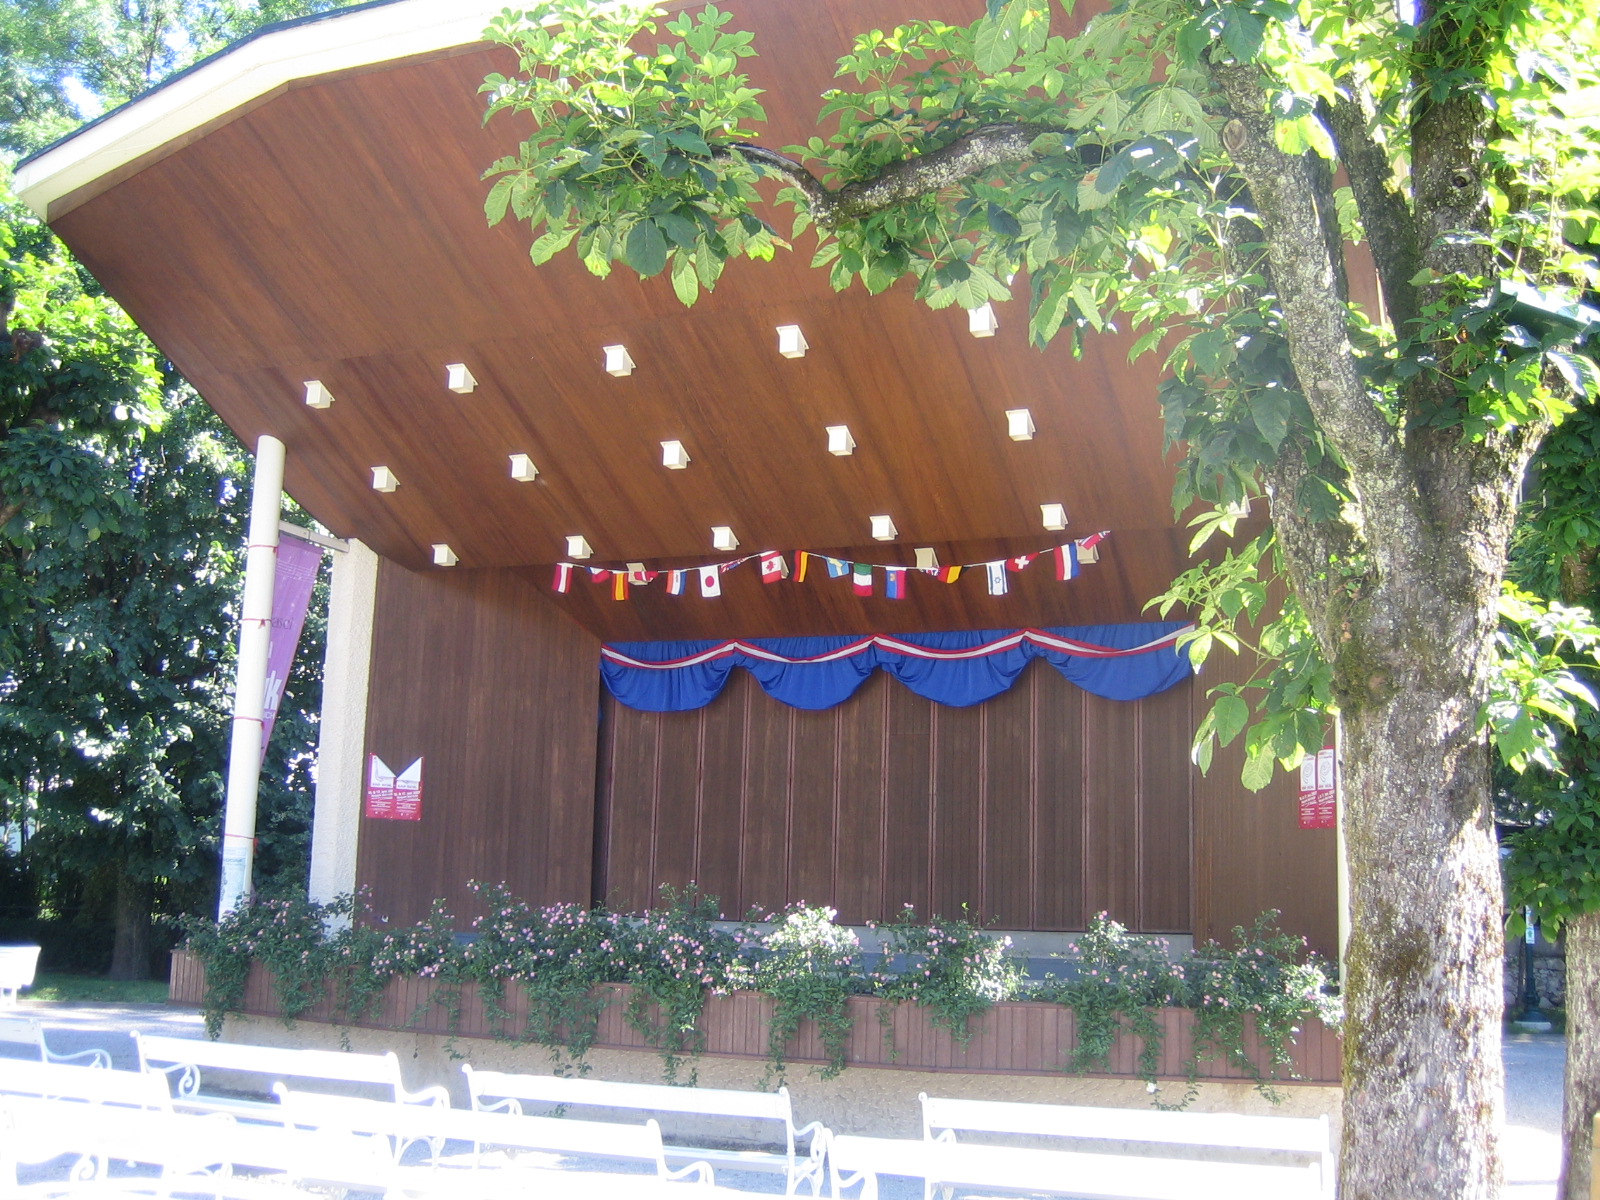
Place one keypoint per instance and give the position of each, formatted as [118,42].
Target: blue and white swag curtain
[1118,662]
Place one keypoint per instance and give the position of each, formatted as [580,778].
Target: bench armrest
[436,1096]
[509,1105]
[93,1058]
[700,1170]
[816,1127]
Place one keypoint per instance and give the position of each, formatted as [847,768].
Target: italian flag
[861,577]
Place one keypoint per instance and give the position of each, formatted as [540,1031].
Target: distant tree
[1554,866]
[119,573]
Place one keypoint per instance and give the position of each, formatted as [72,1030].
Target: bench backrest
[17,967]
[274,1061]
[651,1097]
[22,1031]
[94,1084]
[417,1123]
[1301,1135]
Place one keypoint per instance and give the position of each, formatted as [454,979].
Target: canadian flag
[710,581]
[563,580]
[773,568]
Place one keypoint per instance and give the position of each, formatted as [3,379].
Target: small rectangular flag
[1066,561]
[638,576]
[710,581]
[563,580]
[773,567]
[836,567]
[861,577]
[998,584]
[894,583]
[948,574]
[675,582]
[1086,547]
[599,574]
[1022,560]
[619,586]
[802,560]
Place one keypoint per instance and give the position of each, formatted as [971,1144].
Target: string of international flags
[1068,558]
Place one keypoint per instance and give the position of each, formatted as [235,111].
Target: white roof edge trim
[253,69]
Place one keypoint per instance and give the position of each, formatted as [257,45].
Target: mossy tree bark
[1401,593]
[1582,938]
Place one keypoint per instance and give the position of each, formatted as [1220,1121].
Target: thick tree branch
[971,154]
[1385,214]
[1305,278]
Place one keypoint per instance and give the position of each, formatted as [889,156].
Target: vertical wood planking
[635,747]
[677,805]
[478,674]
[1111,808]
[908,801]
[812,828]
[1058,850]
[959,777]
[1165,819]
[763,864]
[1006,845]
[860,850]
[721,797]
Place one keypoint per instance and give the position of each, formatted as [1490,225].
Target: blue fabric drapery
[1119,662]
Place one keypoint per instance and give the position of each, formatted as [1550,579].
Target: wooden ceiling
[335,231]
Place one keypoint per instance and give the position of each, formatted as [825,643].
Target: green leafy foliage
[809,966]
[954,970]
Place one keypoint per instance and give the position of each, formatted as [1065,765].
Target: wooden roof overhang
[308,206]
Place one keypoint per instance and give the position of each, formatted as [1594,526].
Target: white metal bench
[186,1060]
[17,967]
[404,1125]
[28,1031]
[1244,1156]
[497,1090]
[194,1153]
[91,1085]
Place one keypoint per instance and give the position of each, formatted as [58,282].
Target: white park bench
[17,967]
[195,1154]
[194,1063]
[497,1090]
[1243,1156]
[84,1085]
[28,1031]
[481,1131]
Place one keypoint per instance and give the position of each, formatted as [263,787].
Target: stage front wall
[1036,809]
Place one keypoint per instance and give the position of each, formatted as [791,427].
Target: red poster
[408,793]
[1318,789]
[380,788]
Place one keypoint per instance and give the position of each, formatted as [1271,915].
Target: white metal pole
[250,680]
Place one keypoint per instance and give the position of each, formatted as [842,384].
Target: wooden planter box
[1014,1038]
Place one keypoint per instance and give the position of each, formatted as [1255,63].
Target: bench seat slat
[1305,1135]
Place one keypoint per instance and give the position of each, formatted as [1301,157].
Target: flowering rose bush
[679,953]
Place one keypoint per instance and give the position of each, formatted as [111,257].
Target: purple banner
[298,561]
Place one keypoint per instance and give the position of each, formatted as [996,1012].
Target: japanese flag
[710,581]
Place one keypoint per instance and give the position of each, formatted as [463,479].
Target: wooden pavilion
[307,208]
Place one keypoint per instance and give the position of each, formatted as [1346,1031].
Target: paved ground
[1534,1067]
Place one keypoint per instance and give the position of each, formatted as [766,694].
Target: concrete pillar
[341,754]
[250,678]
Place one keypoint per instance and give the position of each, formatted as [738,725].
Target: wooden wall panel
[1033,810]
[498,692]
[1250,853]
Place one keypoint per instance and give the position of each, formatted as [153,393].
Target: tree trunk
[1582,938]
[1422,1073]
[130,952]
